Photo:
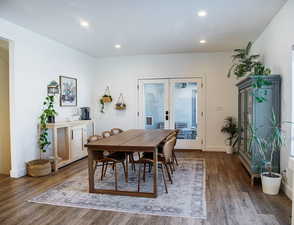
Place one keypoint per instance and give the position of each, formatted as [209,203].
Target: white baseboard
[18,173]
[287,190]
[215,149]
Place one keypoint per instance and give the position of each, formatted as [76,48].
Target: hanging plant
[47,116]
[120,105]
[245,64]
[106,98]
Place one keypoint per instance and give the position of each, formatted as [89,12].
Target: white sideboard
[69,139]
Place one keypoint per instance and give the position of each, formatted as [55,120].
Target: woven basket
[39,168]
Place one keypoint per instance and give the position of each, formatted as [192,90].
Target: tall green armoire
[258,116]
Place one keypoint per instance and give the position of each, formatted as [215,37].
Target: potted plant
[42,167]
[120,104]
[246,64]
[231,129]
[267,147]
[106,98]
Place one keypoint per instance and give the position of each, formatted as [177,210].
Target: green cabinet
[258,116]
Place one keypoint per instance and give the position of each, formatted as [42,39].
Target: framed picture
[68,91]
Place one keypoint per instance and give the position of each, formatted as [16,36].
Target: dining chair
[160,150]
[100,159]
[115,131]
[164,159]
[106,134]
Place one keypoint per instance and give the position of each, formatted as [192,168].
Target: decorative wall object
[53,88]
[120,104]
[106,98]
[68,91]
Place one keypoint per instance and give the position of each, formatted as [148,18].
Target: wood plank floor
[230,200]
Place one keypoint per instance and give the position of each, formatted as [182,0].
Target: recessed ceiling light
[117,46]
[202,13]
[84,23]
[202,41]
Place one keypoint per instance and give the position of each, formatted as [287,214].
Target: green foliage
[245,64]
[48,111]
[267,146]
[102,102]
[230,127]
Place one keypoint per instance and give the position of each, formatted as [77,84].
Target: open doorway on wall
[5,153]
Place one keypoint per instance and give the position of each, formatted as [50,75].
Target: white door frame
[202,102]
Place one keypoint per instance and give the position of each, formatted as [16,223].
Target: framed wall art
[68,91]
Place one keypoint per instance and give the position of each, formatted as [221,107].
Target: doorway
[5,153]
[174,104]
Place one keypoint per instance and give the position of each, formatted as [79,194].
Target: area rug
[185,197]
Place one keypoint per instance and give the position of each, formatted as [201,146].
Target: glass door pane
[185,112]
[184,109]
[154,106]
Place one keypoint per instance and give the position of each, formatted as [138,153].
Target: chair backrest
[94,138]
[171,135]
[106,134]
[168,149]
[115,131]
[97,154]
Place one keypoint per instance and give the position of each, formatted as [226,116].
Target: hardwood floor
[230,200]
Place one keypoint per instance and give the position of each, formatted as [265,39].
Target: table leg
[90,171]
[127,166]
[155,171]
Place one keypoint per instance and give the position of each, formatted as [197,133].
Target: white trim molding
[215,149]
[18,173]
[291,167]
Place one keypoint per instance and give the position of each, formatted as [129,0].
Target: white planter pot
[271,185]
[229,150]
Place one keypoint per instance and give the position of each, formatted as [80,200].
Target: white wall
[36,61]
[5,161]
[122,73]
[275,44]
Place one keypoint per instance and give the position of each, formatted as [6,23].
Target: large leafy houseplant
[267,146]
[48,112]
[246,64]
[231,129]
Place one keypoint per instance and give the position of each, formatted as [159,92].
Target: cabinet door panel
[76,142]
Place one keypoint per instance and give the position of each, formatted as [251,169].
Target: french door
[173,104]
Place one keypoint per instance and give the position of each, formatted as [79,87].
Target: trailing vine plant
[48,111]
[245,64]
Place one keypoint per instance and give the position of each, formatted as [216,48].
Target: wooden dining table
[135,140]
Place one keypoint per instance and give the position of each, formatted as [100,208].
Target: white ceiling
[144,26]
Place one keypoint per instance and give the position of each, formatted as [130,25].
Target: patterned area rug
[185,197]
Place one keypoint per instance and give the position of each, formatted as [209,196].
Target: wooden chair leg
[102,171]
[144,172]
[171,169]
[105,169]
[115,174]
[125,172]
[139,178]
[150,167]
[168,173]
[132,160]
[163,177]
[175,157]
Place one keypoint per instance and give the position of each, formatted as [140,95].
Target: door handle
[166,117]
[166,112]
